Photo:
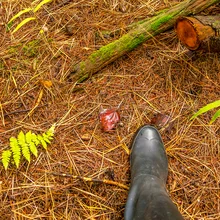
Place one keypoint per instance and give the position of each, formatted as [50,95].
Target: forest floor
[159,80]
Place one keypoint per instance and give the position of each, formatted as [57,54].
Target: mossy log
[199,32]
[146,30]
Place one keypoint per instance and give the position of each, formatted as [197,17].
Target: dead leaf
[46,83]
[108,119]
[162,121]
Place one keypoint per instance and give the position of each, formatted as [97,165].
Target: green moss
[155,25]
[81,69]
[103,53]
[134,40]
[14,49]
[126,43]
[82,65]
[31,48]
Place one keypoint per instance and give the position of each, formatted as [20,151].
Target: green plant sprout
[206,108]
[26,10]
[25,144]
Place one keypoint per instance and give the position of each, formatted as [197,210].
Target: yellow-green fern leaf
[33,149]
[46,138]
[19,14]
[48,135]
[51,130]
[23,23]
[21,138]
[206,108]
[41,4]
[6,155]
[16,150]
[215,116]
[28,137]
[26,152]
[42,141]
[35,139]
[24,146]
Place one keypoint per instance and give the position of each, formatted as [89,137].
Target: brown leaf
[162,121]
[46,83]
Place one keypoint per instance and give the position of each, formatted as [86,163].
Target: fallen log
[146,30]
[199,32]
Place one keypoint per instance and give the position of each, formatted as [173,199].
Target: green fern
[24,11]
[35,140]
[31,143]
[6,156]
[24,145]
[42,141]
[16,150]
[207,108]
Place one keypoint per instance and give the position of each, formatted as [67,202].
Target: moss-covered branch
[146,30]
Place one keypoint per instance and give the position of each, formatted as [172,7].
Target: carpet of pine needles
[160,77]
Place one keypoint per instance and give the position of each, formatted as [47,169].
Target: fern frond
[34,9]
[25,144]
[33,149]
[41,4]
[26,152]
[16,151]
[23,23]
[19,14]
[42,141]
[21,138]
[35,139]
[206,108]
[6,156]
[29,139]
[46,138]
[48,135]
[50,132]
[215,116]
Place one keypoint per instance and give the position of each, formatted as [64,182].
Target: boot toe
[149,132]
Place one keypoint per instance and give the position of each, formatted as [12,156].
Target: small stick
[37,102]
[88,179]
[22,111]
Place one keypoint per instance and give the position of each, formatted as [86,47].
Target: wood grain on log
[199,32]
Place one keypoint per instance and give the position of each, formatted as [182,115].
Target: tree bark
[146,30]
[199,32]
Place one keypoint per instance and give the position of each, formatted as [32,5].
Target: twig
[22,111]
[88,179]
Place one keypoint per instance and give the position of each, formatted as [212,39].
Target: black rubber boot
[148,198]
